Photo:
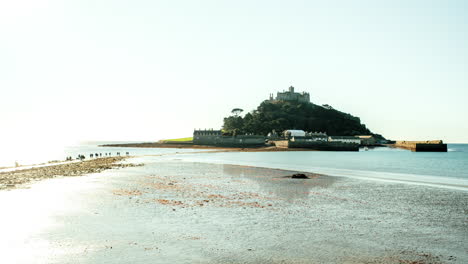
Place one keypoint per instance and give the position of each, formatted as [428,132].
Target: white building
[314,134]
[317,138]
[294,133]
[344,139]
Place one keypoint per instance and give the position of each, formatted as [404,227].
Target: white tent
[295,133]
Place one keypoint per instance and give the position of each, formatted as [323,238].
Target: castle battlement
[290,95]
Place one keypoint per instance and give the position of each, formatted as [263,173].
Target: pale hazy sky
[146,70]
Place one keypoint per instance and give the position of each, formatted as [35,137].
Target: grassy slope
[178,139]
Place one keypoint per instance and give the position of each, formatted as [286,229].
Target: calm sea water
[450,168]
[45,152]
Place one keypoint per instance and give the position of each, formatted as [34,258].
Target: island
[290,121]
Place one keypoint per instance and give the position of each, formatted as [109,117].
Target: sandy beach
[185,212]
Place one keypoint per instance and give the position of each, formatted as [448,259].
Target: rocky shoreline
[11,179]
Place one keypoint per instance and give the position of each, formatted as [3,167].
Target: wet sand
[20,176]
[182,212]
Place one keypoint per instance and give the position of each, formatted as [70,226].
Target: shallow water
[48,151]
[185,212]
[449,170]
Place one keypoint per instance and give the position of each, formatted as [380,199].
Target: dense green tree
[233,125]
[284,115]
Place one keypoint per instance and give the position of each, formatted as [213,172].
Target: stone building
[367,140]
[215,138]
[206,132]
[290,95]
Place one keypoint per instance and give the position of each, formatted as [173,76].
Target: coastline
[217,213]
[23,175]
[191,146]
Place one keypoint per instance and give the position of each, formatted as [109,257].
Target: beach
[11,178]
[174,211]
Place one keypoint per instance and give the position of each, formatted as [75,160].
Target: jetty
[422,146]
[316,145]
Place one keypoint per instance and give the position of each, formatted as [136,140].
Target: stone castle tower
[290,95]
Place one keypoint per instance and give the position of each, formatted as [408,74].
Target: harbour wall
[230,141]
[317,145]
[422,146]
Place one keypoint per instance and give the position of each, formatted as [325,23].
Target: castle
[290,95]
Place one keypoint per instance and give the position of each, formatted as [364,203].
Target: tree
[233,123]
[237,111]
[285,115]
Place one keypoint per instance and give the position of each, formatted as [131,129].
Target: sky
[148,70]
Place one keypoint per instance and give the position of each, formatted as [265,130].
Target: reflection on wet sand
[183,212]
[278,183]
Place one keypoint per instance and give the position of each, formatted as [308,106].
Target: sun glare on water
[27,152]
[33,211]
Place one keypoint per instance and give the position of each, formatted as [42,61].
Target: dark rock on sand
[299,176]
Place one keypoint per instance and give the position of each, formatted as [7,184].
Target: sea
[184,200]
[47,152]
[444,169]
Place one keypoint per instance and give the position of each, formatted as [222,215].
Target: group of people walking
[95,155]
